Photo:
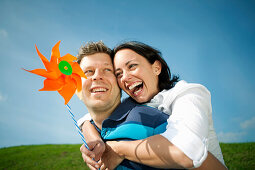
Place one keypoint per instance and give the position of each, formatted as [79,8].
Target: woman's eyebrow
[128,62]
[125,65]
[117,69]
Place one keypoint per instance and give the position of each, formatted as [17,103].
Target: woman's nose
[126,76]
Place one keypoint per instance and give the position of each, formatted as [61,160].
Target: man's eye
[88,72]
[107,69]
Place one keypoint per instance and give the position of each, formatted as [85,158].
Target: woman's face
[136,76]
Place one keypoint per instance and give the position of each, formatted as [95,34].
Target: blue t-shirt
[132,121]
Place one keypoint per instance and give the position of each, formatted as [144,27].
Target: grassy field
[237,156]
[42,157]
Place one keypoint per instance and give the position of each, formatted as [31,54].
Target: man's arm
[94,141]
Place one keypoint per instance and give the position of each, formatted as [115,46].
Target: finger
[91,167]
[99,150]
[103,167]
[89,161]
[100,162]
[84,149]
[87,152]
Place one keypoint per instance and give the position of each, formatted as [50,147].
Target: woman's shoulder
[165,98]
[182,87]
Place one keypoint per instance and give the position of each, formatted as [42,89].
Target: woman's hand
[110,159]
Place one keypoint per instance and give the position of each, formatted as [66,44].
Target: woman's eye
[132,66]
[107,69]
[118,75]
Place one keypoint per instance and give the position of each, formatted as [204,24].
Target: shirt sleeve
[188,124]
[83,119]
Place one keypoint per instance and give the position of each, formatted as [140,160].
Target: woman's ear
[156,66]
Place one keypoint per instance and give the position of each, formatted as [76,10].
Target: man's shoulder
[146,115]
[142,108]
[148,110]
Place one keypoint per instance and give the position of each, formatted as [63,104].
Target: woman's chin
[140,99]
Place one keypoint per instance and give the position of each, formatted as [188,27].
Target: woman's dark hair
[166,81]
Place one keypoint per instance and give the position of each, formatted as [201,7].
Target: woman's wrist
[118,147]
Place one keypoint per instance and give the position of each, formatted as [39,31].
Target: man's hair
[91,48]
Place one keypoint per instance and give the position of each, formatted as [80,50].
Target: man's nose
[98,75]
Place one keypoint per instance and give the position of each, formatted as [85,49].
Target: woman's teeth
[134,85]
[138,91]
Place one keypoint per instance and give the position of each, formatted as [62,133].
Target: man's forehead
[96,60]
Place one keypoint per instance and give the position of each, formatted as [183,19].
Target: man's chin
[100,103]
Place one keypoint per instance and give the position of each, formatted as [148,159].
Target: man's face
[100,90]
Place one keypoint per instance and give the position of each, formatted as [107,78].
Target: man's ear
[156,66]
[79,94]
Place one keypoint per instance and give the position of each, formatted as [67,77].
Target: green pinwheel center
[65,68]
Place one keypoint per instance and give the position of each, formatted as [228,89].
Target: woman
[144,75]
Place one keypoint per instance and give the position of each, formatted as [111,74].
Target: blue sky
[207,42]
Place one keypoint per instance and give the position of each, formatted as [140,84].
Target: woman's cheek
[120,83]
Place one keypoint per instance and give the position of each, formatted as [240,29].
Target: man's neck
[99,115]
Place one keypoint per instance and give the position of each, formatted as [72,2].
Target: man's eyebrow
[107,64]
[85,68]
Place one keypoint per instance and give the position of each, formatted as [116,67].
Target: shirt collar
[122,110]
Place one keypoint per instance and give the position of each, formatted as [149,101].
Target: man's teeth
[98,90]
[134,85]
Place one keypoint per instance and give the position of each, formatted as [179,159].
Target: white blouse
[190,125]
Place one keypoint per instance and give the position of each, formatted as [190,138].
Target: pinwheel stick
[77,127]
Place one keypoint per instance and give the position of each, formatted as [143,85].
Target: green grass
[42,157]
[236,156]
[239,155]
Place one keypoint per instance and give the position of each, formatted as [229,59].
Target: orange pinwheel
[62,73]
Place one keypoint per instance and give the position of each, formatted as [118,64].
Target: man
[112,119]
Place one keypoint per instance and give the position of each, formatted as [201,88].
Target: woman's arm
[190,120]
[211,163]
[156,151]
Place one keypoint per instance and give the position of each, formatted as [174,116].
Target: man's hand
[110,159]
[95,143]
[97,148]
[92,156]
